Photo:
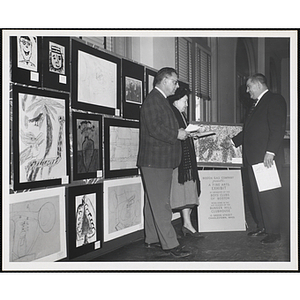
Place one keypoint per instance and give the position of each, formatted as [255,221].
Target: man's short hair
[162,73]
[258,77]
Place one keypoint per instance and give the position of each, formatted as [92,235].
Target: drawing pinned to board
[37,226]
[56,58]
[41,146]
[123,207]
[85,219]
[27,53]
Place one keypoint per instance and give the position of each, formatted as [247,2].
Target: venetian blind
[183,59]
[203,74]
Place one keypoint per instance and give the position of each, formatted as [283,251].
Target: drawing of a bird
[33,142]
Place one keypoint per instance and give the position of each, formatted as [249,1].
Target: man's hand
[268,160]
[182,134]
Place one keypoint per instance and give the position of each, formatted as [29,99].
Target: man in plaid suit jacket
[159,154]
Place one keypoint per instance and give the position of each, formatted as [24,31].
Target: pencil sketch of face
[56,58]
[27,53]
[25,48]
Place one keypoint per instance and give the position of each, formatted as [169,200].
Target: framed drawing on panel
[123,207]
[26,56]
[133,89]
[85,219]
[217,150]
[87,145]
[96,80]
[56,63]
[150,76]
[40,138]
[37,226]
[121,144]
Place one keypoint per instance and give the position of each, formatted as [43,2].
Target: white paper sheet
[266,178]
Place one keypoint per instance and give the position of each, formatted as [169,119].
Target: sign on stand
[221,201]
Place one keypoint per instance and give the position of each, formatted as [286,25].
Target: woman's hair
[180,92]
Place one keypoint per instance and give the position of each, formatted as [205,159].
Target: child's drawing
[27,53]
[85,219]
[87,146]
[56,58]
[34,229]
[41,138]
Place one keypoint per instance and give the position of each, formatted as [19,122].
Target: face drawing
[25,48]
[56,58]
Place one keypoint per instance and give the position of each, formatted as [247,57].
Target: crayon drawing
[85,219]
[42,150]
[27,53]
[97,80]
[56,58]
[87,146]
[123,207]
[36,228]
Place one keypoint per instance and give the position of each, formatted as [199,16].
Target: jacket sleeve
[276,121]
[238,139]
[160,120]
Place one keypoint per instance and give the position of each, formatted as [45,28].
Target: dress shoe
[271,238]
[258,232]
[178,252]
[196,234]
[153,245]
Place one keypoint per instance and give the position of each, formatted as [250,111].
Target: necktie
[252,107]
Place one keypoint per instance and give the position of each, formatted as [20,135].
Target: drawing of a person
[25,45]
[56,59]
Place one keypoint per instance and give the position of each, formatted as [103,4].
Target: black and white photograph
[189,151]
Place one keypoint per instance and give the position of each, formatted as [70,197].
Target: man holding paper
[262,141]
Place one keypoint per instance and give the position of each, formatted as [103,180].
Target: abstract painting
[217,149]
[41,142]
[87,143]
[123,207]
[37,226]
[85,217]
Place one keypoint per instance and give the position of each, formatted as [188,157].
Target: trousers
[157,210]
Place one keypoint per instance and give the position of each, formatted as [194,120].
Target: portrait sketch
[56,58]
[27,53]
[87,146]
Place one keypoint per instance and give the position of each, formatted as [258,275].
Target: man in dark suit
[262,141]
[159,153]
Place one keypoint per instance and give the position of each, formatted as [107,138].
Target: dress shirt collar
[260,96]
[161,91]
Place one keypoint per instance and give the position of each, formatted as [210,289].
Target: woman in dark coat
[185,189]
